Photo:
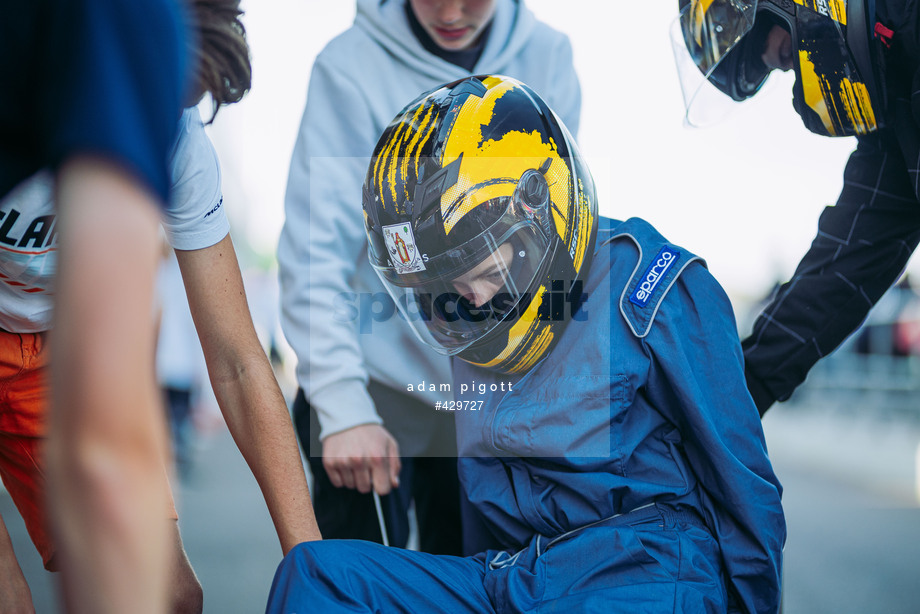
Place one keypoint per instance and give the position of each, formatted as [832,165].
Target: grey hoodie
[335,313]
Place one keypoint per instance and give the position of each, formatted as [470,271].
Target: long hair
[223,66]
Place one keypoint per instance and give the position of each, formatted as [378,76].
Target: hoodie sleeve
[320,244]
[697,379]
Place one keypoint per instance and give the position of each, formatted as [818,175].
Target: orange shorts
[23,411]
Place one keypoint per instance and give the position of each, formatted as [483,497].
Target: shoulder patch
[656,271]
[658,266]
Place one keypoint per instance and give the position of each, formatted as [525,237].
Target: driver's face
[480,284]
[777,51]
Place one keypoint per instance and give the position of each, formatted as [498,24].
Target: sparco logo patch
[653,274]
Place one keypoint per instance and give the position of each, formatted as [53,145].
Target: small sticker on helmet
[400,242]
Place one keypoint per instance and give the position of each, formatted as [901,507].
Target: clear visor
[466,292]
[701,36]
[711,28]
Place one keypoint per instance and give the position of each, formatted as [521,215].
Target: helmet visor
[711,28]
[468,291]
[704,103]
[724,67]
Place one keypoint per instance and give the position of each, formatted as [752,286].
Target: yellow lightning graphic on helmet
[835,9]
[584,213]
[525,327]
[851,100]
[401,150]
[856,99]
[491,169]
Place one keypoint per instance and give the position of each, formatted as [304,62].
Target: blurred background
[745,195]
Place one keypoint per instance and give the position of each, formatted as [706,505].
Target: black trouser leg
[436,490]
[345,513]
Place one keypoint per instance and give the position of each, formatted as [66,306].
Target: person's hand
[362,457]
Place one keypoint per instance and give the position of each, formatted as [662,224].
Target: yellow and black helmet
[839,88]
[481,220]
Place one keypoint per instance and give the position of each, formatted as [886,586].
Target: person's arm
[696,379]
[246,389]
[15,596]
[107,439]
[320,245]
[862,246]
[106,446]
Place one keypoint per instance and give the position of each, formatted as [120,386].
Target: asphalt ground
[850,496]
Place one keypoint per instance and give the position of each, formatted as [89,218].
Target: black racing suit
[863,242]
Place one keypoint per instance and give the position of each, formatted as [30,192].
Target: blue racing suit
[626,472]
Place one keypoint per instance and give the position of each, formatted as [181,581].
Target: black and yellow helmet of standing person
[481,220]
[837,59]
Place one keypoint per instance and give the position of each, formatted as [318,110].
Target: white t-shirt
[194,219]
